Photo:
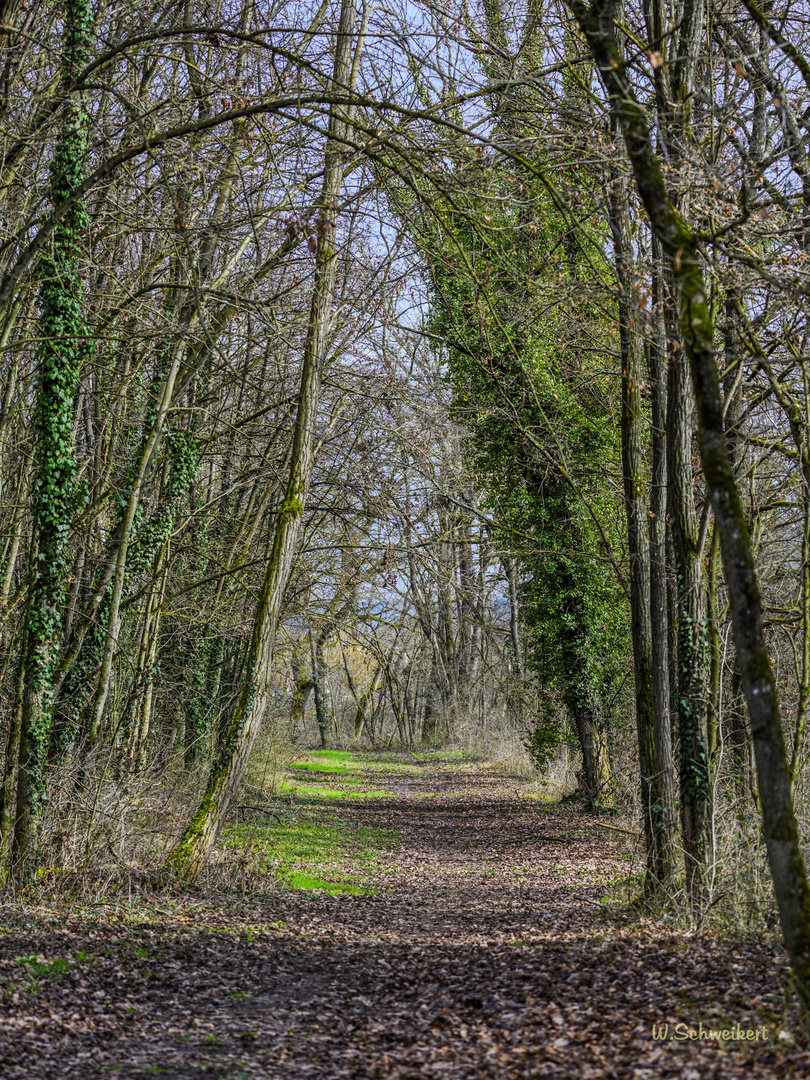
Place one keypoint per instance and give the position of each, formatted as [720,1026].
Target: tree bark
[634,468]
[692,673]
[64,344]
[667,837]
[229,768]
[319,685]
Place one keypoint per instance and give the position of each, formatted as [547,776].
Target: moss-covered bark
[666,820]
[691,671]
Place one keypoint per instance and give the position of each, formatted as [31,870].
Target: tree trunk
[231,763]
[666,840]
[596,771]
[319,686]
[596,775]
[692,671]
[64,342]
[634,468]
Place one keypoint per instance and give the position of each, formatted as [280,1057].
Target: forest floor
[422,918]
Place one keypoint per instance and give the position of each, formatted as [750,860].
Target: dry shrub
[107,835]
[272,753]
[499,741]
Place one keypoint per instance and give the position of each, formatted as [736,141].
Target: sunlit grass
[346,762]
[311,882]
[325,767]
[333,858]
[312,791]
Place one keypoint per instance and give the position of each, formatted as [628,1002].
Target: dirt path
[485,953]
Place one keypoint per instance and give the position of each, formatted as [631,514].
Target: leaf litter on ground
[484,940]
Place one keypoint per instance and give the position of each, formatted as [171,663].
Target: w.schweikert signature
[702,1033]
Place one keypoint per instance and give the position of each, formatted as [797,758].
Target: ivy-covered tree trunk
[64,342]
[597,785]
[579,688]
[240,735]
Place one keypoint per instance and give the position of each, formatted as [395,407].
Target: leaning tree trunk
[63,345]
[779,825]
[240,735]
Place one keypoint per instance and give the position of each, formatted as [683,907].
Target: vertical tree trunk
[510,569]
[596,772]
[318,686]
[124,539]
[18,520]
[667,818]
[63,346]
[635,469]
[302,687]
[361,719]
[736,736]
[10,769]
[692,671]
[231,763]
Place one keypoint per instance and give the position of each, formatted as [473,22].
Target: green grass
[333,858]
[297,880]
[37,968]
[347,762]
[49,969]
[326,767]
[311,791]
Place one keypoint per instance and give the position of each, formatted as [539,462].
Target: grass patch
[311,791]
[49,969]
[325,767]
[346,762]
[336,755]
[332,888]
[37,968]
[333,858]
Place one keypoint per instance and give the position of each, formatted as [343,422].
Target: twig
[629,832]
[585,900]
[717,899]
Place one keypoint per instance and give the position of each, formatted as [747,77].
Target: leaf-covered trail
[483,954]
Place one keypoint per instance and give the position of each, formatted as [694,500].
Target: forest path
[484,953]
